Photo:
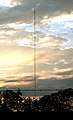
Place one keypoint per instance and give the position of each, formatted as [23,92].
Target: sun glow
[14,57]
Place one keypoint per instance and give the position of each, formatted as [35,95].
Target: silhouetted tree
[11,101]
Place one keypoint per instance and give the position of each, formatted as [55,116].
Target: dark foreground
[61,101]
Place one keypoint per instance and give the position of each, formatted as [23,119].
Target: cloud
[23,11]
[51,83]
[24,38]
[50,63]
[19,33]
[11,81]
[53,61]
[6,28]
[70,72]
[54,83]
[22,79]
[52,41]
[25,81]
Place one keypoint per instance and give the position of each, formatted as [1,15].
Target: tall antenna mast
[35,40]
[34,51]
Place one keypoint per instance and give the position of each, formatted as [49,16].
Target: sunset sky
[54,43]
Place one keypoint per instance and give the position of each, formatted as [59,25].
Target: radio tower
[35,40]
[34,51]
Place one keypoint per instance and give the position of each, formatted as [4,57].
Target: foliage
[11,101]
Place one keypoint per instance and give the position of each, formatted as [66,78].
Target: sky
[54,43]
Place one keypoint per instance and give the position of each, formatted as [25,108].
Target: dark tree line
[11,101]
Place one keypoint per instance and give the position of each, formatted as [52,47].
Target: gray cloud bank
[24,13]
